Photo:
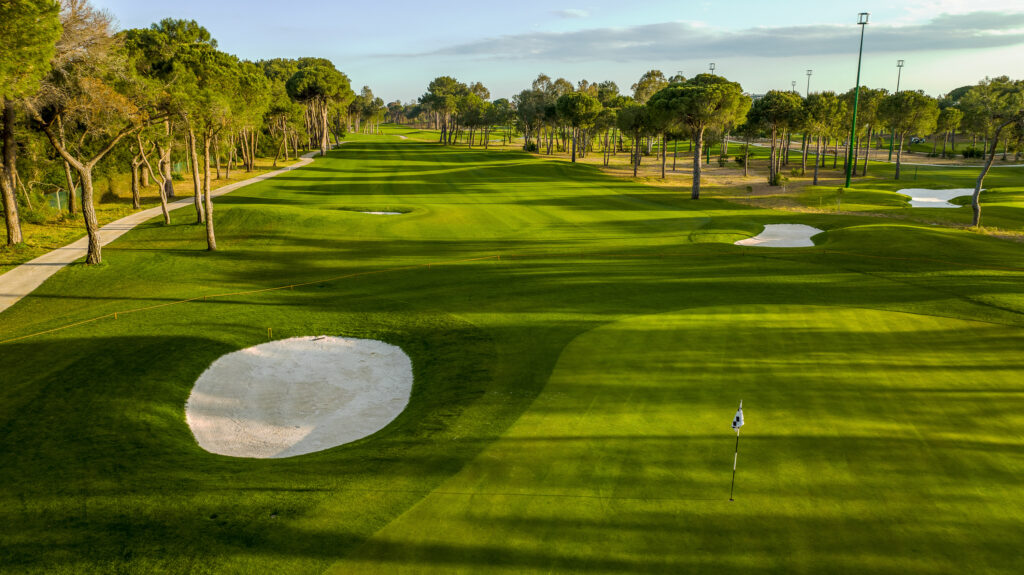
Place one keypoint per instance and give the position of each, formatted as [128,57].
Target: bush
[796,172]
[973,152]
[530,147]
[778,180]
[722,161]
[39,213]
[740,161]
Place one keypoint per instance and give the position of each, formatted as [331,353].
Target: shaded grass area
[113,200]
[618,464]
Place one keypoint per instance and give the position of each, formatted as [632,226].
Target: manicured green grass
[572,398]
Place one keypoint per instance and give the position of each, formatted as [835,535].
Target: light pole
[862,20]
[793,85]
[711,67]
[809,72]
[899,74]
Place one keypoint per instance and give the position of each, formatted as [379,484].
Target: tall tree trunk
[10,204]
[945,138]
[899,154]
[196,184]
[746,158]
[135,169]
[95,254]
[216,154]
[145,176]
[159,176]
[72,200]
[165,160]
[324,142]
[803,159]
[867,153]
[211,239]
[856,153]
[231,154]
[664,156]
[697,148]
[675,153]
[991,156]
[7,172]
[817,155]
[771,160]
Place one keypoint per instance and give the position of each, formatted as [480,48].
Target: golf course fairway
[579,345]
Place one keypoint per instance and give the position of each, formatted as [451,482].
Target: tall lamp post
[809,72]
[862,20]
[899,74]
[793,85]
[711,67]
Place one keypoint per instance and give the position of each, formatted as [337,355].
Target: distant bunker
[298,396]
[922,198]
[783,236]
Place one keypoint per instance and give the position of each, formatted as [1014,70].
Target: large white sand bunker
[298,395]
[783,236]
[922,198]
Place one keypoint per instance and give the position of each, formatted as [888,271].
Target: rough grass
[572,398]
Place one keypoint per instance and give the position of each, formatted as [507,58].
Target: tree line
[80,98]
[556,115]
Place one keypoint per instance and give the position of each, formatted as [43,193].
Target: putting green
[864,451]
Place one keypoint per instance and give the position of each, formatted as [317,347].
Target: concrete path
[24,279]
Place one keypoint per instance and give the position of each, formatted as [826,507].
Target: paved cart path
[24,279]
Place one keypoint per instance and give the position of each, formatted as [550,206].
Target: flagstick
[735,458]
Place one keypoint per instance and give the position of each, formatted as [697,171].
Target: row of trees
[555,114]
[108,101]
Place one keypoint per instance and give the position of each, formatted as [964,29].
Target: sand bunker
[782,236]
[921,198]
[383,213]
[297,396]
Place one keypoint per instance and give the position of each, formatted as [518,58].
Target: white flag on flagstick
[737,421]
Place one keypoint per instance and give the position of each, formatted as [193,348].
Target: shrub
[530,147]
[39,213]
[796,172]
[778,180]
[972,152]
[740,161]
[722,161]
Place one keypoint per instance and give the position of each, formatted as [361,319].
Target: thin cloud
[574,13]
[975,30]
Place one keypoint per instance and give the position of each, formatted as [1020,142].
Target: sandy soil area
[783,236]
[297,396]
[922,198]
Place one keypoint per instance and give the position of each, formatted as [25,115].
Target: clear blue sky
[397,47]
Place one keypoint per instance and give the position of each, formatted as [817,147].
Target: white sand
[782,236]
[297,396]
[921,198]
[383,213]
